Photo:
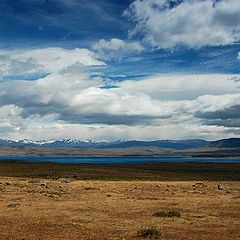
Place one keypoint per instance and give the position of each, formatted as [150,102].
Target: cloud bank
[70,102]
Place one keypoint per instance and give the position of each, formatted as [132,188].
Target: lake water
[119,160]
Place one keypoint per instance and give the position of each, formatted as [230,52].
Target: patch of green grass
[168,214]
[154,233]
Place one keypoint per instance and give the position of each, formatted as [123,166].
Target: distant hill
[169,144]
[226,143]
[165,144]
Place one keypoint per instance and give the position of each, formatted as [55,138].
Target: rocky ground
[65,208]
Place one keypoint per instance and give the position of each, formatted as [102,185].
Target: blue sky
[61,23]
[143,69]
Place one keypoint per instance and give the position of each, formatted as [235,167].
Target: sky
[119,69]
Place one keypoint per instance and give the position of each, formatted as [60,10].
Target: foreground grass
[67,208]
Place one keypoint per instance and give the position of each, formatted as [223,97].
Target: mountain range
[165,144]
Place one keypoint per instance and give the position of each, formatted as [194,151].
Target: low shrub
[167,214]
[154,233]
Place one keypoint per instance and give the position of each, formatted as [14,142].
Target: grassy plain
[115,202]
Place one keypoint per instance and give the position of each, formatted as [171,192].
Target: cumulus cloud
[116,48]
[195,24]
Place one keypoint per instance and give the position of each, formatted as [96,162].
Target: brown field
[50,201]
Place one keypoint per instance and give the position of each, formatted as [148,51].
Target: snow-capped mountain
[32,142]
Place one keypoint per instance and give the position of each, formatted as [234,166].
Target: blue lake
[119,160]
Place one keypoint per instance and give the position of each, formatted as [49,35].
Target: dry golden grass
[49,209]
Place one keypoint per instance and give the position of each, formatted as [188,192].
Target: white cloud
[10,120]
[116,48]
[195,23]
[183,86]
[46,60]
